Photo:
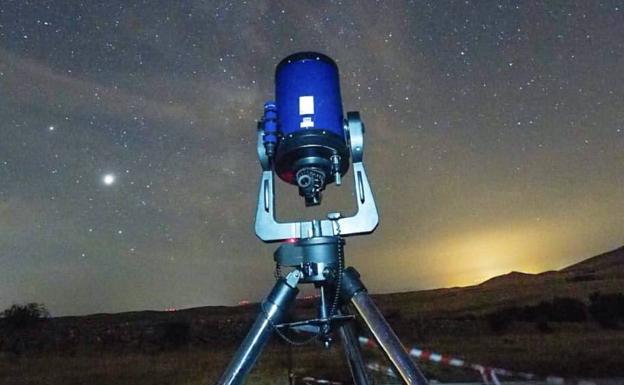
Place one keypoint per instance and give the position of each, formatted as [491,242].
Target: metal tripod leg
[351,347]
[353,290]
[272,311]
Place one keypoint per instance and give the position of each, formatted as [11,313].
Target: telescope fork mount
[314,251]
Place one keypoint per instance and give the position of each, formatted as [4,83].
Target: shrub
[567,310]
[557,310]
[607,309]
[500,320]
[25,316]
[543,327]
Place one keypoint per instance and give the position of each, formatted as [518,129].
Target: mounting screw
[334,216]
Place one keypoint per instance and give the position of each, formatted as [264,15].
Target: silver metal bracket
[365,220]
[293,278]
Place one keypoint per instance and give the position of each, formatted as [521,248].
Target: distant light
[51,128]
[108,179]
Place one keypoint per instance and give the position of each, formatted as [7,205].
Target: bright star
[108,179]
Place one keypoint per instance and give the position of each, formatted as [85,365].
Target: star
[108,179]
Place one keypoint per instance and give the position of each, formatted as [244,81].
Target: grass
[181,367]
[576,353]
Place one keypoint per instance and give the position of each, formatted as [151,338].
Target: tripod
[314,251]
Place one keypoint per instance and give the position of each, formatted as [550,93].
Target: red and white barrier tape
[486,372]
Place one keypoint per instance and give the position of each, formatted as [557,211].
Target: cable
[336,300]
[282,335]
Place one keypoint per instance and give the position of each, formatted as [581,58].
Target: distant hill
[604,273]
[607,265]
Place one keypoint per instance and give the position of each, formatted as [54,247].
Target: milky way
[128,171]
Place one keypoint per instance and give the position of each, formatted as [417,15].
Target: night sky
[128,167]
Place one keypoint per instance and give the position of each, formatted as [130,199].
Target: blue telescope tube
[307,90]
[304,129]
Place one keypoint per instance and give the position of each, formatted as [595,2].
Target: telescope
[304,132]
[306,140]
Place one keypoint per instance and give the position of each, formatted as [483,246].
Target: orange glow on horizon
[476,256]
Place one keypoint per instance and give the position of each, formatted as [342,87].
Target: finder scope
[304,128]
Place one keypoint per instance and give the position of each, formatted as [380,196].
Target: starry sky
[128,168]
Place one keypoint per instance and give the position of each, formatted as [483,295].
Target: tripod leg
[351,347]
[272,311]
[354,291]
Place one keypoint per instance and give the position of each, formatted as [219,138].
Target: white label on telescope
[306,122]
[306,105]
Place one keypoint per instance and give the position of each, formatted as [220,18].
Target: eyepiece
[311,182]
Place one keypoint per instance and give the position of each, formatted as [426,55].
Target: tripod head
[304,138]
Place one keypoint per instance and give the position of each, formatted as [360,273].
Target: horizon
[303,293]
[128,165]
